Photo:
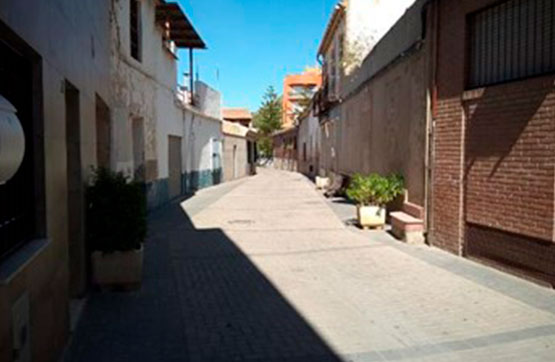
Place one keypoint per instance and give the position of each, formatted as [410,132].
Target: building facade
[494,135]
[238,115]
[308,142]
[465,113]
[285,149]
[239,150]
[55,71]
[298,89]
[355,27]
[94,84]
[164,134]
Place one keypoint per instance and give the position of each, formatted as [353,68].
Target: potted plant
[322,182]
[116,229]
[371,193]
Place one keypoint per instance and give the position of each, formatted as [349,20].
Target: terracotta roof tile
[236,113]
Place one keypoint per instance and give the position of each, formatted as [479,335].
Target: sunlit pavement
[265,269]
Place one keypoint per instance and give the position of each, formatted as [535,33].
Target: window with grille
[135,28]
[512,40]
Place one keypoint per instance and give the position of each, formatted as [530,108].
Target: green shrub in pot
[116,228]
[371,193]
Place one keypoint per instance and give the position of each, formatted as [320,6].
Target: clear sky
[254,43]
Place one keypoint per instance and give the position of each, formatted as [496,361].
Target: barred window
[512,40]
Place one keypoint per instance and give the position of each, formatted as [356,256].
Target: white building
[165,134]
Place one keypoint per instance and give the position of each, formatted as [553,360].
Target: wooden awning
[179,29]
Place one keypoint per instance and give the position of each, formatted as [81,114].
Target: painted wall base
[157,192]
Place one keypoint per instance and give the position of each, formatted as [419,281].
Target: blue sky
[254,43]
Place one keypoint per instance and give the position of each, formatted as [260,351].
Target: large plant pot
[371,216]
[322,182]
[122,269]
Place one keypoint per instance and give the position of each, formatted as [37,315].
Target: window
[512,40]
[135,28]
[22,217]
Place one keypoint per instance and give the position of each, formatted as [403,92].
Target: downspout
[191,81]
[430,121]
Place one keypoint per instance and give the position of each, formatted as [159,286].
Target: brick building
[285,149]
[493,168]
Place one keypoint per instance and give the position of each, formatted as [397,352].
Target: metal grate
[512,40]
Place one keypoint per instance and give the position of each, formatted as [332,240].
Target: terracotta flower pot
[118,269]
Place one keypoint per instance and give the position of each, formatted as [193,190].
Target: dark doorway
[75,199]
[174,166]
[103,134]
[139,149]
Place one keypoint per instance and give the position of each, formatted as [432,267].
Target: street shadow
[202,299]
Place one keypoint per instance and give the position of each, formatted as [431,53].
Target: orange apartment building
[296,87]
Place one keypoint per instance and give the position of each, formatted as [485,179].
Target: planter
[322,182]
[371,216]
[118,269]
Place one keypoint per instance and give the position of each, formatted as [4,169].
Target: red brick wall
[520,254]
[510,157]
[493,173]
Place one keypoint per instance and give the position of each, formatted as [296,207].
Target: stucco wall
[209,100]
[147,90]
[202,155]
[383,126]
[73,40]
[238,167]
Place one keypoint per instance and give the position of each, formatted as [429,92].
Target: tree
[268,120]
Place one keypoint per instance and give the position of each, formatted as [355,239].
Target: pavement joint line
[316,251]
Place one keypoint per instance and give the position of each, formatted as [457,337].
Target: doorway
[138,149]
[103,134]
[235,170]
[78,260]
[174,166]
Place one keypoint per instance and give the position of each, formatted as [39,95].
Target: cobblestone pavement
[265,269]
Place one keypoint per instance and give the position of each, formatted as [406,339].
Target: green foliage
[268,117]
[265,146]
[374,189]
[268,120]
[116,212]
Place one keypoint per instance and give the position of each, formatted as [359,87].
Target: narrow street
[265,269]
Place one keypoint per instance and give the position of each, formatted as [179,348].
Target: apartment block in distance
[296,89]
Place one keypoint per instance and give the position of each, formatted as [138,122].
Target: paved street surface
[264,269]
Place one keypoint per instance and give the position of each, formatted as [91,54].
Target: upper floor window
[512,40]
[135,28]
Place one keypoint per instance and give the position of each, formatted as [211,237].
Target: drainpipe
[191,81]
[430,118]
